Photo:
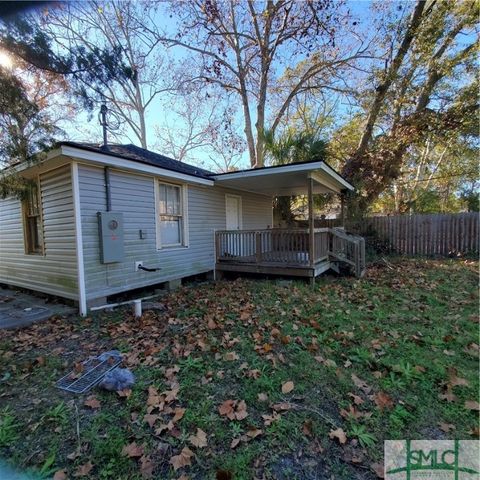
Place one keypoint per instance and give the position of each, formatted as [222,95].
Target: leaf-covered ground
[253,379]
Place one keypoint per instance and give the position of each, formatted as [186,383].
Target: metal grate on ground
[94,368]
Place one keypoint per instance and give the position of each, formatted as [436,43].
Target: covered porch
[289,251]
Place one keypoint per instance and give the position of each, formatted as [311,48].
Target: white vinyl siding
[54,272]
[135,196]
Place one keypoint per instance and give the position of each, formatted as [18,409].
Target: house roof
[141,155]
[290,180]
[277,180]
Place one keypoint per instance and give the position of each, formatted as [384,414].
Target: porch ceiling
[286,180]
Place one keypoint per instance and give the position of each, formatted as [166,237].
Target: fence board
[420,234]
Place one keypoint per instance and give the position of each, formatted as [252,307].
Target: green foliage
[9,427]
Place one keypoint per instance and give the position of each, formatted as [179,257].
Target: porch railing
[289,247]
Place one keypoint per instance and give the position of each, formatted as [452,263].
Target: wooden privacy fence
[420,234]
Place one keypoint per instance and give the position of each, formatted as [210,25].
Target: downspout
[108,193]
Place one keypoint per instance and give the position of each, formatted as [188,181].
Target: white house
[103,220]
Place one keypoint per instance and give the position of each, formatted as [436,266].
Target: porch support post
[342,209]
[311,225]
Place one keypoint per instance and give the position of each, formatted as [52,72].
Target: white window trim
[240,208]
[184,209]
[42,250]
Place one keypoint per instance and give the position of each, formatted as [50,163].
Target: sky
[86,126]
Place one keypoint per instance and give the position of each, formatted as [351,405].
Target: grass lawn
[253,379]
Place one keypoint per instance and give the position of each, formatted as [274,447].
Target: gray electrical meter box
[110,230]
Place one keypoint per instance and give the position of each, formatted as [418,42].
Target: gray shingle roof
[137,154]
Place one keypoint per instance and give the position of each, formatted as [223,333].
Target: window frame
[183,198]
[28,241]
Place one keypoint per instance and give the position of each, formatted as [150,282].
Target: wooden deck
[288,252]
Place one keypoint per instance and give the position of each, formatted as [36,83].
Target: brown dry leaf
[269,419]
[307,428]
[230,356]
[254,432]
[449,396]
[146,466]
[125,393]
[211,324]
[92,402]
[454,380]
[241,412]
[339,434]
[199,439]
[235,442]
[378,469]
[226,408]
[356,399]
[446,427]
[60,475]
[472,405]
[171,395]
[183,459]
[361,384]
[287,387]
[151,419]
[83,470]
[179,412]
[282,406]
[383,400]
[262,397]
[132,450]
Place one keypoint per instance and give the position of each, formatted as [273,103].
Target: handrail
[290,247]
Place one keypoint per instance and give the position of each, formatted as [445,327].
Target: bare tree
[247,48]
[125,25]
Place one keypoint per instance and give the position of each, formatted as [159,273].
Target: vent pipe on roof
[102,118]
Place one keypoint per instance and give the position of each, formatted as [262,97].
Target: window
[171,221]
[32,220]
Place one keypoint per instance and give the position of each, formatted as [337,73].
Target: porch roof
[282,180]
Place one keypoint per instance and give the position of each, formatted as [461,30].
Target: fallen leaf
[449,396]
[282,406]
[83,470]
[92,402]
[241,412]
[179,412]
[211,324]
[446,427]
[472,405]
[339,434]
[287,387]
[307,428]
[262,397]
[361,384]
[254,432]
[356,399]
[125,393]
[60,475]
[234,443]
[132,450]
[378,469]
[226,408]
[151,419]
[199,439]
[383,401]
[231,356]
[182,459]
[146,466]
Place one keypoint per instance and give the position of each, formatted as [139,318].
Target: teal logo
[432,460]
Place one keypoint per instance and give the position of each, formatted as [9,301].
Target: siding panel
[56,271]
[134,196]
